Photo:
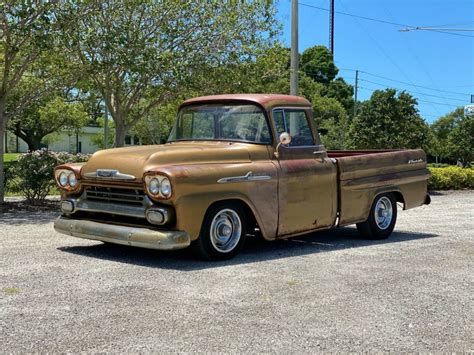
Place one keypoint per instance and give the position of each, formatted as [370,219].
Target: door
[307,189]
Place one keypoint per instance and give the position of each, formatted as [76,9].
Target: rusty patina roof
[268,101]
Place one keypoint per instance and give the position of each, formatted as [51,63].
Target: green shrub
[33,175]
[8,167]
[451,178]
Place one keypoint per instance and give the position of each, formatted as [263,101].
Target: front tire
[222,233]
[382,218]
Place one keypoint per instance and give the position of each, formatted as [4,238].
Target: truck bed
[364,174]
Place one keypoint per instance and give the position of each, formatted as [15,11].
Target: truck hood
[139,159]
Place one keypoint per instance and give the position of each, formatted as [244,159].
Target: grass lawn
[10,157]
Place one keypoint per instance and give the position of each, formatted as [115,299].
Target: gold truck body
[285,190]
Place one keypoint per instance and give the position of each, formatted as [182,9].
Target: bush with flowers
[32,175]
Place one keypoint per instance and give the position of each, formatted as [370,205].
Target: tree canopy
[140,54]
[389,120]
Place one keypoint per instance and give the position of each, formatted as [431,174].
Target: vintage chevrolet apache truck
[234,164]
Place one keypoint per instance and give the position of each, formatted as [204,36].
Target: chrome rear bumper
[134,236]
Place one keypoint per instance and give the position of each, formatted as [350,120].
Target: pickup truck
[235,165]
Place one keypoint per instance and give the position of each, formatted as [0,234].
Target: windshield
[245,123]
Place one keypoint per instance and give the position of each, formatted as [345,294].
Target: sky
[436,68]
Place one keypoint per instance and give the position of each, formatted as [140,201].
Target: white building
[66,142]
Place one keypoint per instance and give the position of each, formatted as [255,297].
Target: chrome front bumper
[134,236]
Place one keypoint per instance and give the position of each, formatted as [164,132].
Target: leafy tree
[342,92]
[317,62]
[139,54]
[388,120]
[48,113]
[26,29]
[441,129]
[156,126]
[461,140]
[99,138]
[331,115]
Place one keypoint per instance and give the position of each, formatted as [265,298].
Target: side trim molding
[247,177]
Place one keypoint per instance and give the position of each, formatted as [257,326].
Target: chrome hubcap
[383,212]
[226,230]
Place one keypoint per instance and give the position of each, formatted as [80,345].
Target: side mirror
[285,139]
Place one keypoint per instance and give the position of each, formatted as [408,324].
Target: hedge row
[451,178]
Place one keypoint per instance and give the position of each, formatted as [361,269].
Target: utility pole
[331,26]
[294,48]
[355,92]
[106,125]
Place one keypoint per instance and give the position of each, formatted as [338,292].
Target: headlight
[166,187]
[63,179]
[72,179]
[66,179]
[154,186]
[158,186]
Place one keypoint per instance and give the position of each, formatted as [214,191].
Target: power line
[407,43]
[379,20]
[415,85]
[356,16]
[437,96]
[389,58]
[350,78]
[419,100]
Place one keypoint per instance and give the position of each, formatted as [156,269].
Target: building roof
[268,101]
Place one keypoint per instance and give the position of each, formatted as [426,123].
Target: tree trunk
[33,143]
[2,146]
[120,132]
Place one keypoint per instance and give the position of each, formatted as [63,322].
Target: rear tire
[382,218]
[222,233]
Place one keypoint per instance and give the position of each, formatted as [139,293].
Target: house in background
[66,142]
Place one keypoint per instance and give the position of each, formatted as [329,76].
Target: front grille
[131,197]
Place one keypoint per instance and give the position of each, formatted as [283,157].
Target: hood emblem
[415,161]
[106,172]
[109,174]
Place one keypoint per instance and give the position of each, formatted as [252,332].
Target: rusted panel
[364,177]
[307,191]
[193,196]
[267,101]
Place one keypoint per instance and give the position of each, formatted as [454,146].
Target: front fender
[195,188]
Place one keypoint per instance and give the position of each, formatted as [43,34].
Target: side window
[294,122]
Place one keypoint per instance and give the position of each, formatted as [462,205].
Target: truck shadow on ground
[255,250]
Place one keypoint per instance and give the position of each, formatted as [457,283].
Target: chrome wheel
[383,212]
[226,230]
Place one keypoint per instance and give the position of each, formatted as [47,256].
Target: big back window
[245,123]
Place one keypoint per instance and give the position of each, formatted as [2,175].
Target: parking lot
[325,291]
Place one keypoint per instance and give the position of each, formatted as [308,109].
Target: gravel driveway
[326,291]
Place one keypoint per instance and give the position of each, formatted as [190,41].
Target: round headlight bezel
[72,180]
[154,186]
[160,178]
[166,184]
[64,177]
